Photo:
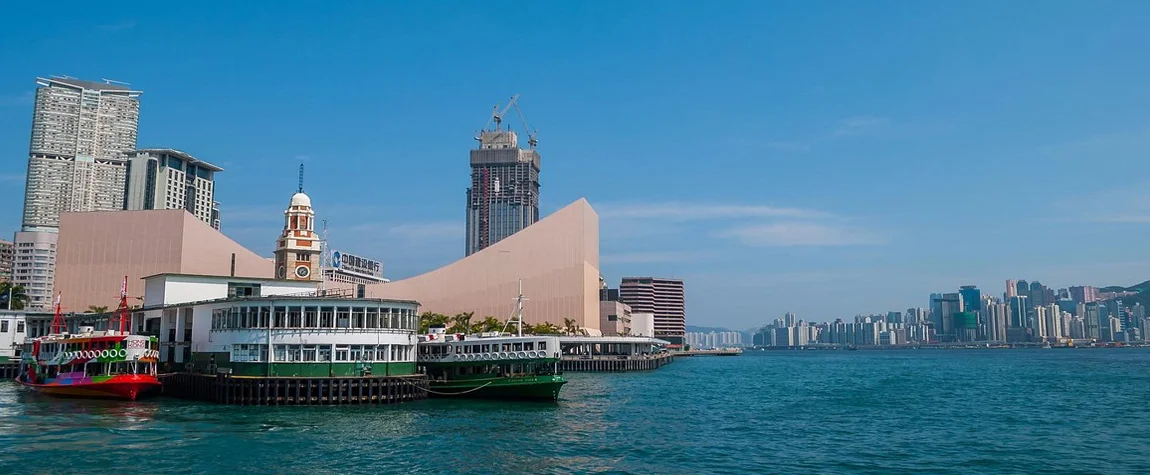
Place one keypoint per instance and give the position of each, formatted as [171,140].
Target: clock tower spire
[298,249]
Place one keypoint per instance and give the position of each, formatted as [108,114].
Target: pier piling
[264,391]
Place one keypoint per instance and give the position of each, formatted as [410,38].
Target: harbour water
[958,411]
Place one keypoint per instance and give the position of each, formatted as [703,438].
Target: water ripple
[947,412]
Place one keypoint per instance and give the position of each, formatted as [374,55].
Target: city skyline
[803,162]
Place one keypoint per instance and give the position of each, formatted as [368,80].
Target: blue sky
[825,158]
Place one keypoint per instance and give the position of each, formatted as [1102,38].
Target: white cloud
[25,98]
[800,234]
[860,124]
[677,211]
[653,256]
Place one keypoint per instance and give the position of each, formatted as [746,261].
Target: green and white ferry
[493,365]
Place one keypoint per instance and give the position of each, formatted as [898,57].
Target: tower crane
[497,115]
[532,134]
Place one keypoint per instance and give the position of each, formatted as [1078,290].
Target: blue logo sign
[335,259]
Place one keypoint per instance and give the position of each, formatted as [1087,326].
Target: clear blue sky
[826,158]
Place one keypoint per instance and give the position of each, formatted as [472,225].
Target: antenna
[323,254]
[301,178]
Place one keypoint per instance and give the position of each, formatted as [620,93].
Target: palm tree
[545,328]
[569,326]
[12,296]
[461,322]
[428,320]
[491,324]
[95,309]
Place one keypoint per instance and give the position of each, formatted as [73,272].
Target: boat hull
[126,387]
[528,389]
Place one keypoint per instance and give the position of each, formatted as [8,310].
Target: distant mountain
[1143,296]
[1140,288]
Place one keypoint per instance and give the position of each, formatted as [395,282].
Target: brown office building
[661,297]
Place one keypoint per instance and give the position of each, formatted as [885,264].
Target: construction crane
[497,116]
[532,134]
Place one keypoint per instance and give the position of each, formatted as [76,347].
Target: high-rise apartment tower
[504,194]
[81,134]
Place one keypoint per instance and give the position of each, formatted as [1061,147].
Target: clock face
[281,272]
[302,272]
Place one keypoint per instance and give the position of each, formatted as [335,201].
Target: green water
[973,411]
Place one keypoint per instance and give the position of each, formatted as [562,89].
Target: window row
[315,317]
[323,353]
[483,348]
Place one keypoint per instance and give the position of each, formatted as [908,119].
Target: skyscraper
[171,179]
[1083,293]
[81,133]
[662,297]
[504,193]
[971,298]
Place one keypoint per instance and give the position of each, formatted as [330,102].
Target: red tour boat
[104,364]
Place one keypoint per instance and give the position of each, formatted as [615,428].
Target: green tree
[491,324]
[461,323]
[16,292]
[95,309]
[546,328]
[428,320]
[569,326]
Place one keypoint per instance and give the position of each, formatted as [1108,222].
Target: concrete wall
[96,250]
[643,324]
[557,258]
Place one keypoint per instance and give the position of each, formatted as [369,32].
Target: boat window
[294,353]
[341,353]
[342,317]
[324,352]
[518,347]
[529,346]
[381,353]
[486,348]
[295,317]
[356,352]
[543,345]
[507,347]
[309,353]
[281,352]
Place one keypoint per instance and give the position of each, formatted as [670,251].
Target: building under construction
[504,193]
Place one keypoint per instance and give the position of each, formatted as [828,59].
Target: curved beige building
[557,258]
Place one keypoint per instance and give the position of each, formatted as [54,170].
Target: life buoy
[522,354]
[123,353]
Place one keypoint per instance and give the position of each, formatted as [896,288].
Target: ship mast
[519,308]
[58,320]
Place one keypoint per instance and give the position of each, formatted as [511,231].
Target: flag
[58,300]
[124,287]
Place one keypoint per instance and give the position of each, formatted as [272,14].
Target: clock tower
[298,249]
